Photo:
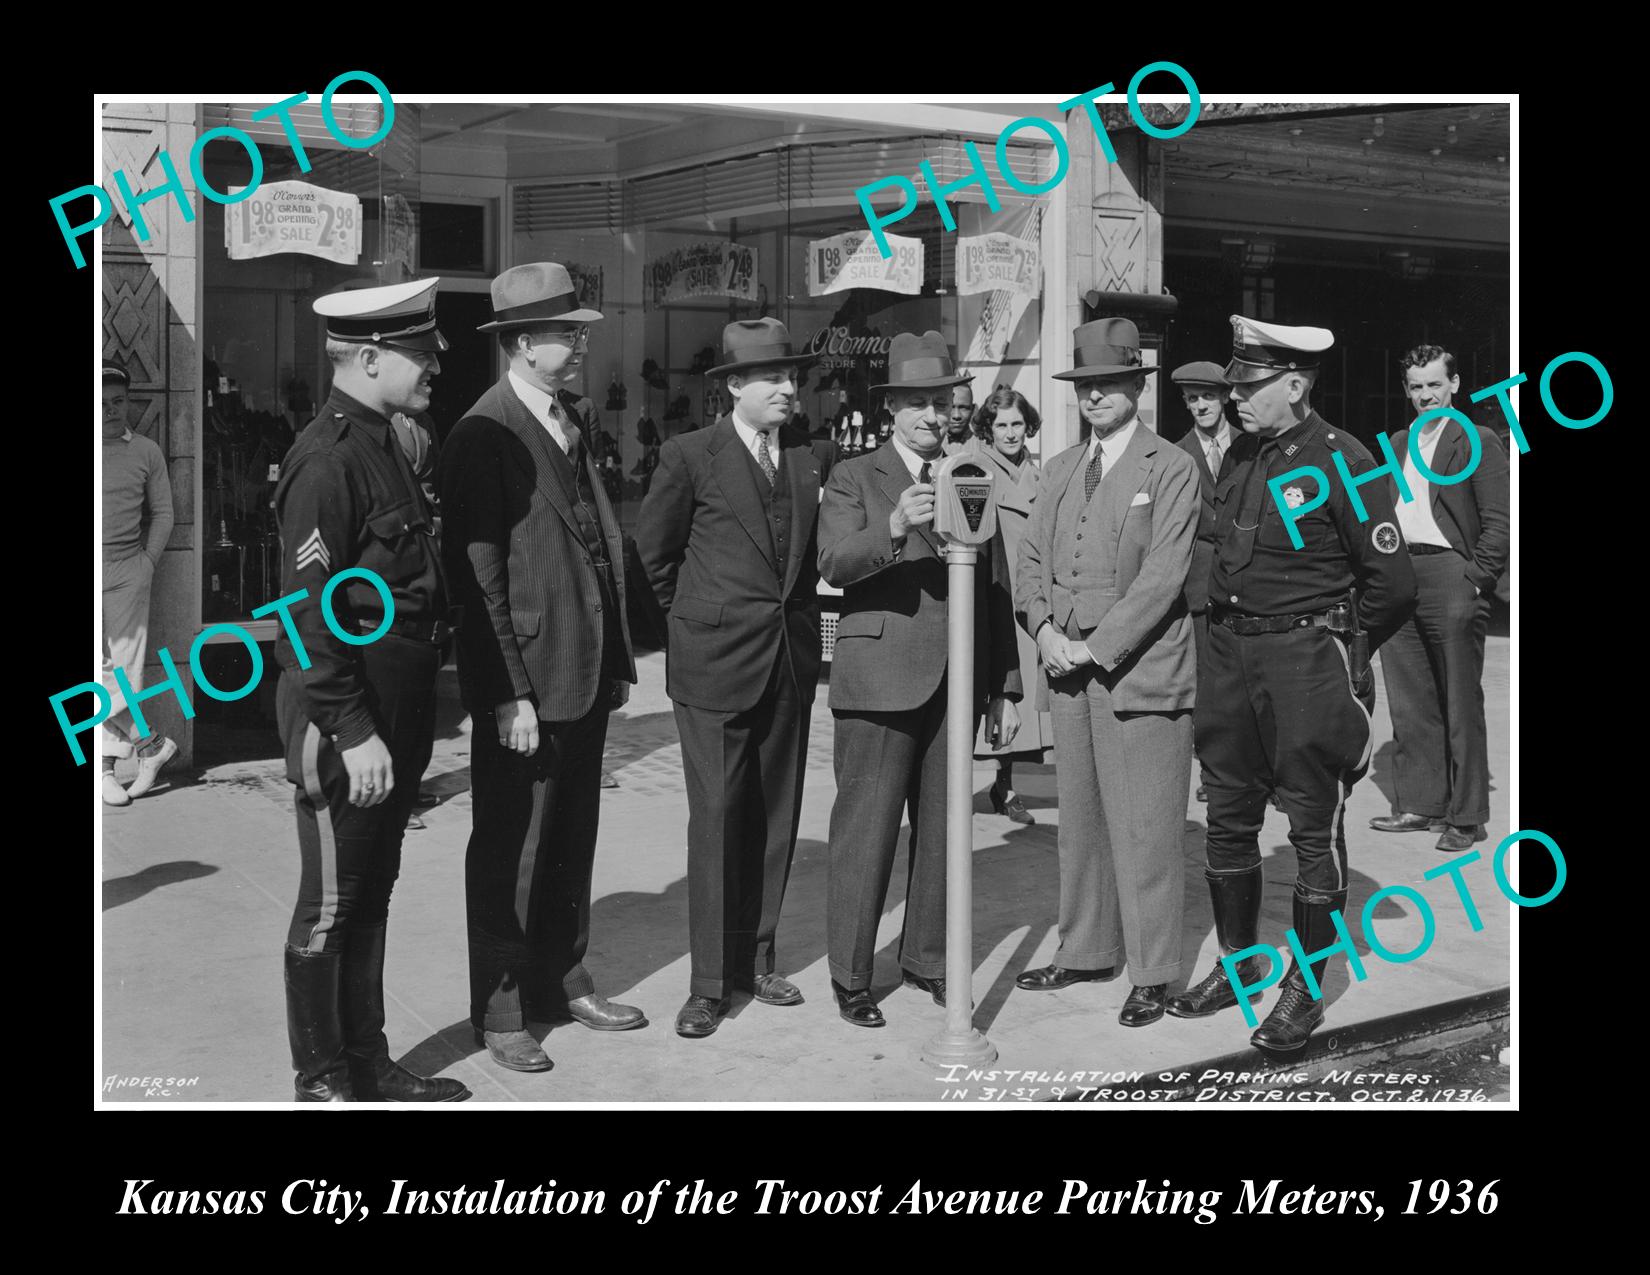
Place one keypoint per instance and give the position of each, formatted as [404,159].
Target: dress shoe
[608,781]
[113,793]
[1202,793]
[699,1016]
[415,824]
[1005,801]
[516,1051]
[149,768]
[857,1007]
[772,989]
[1404,821]
[1051,978]
[600,1014]
[1144,1006]
[425,800]
[1462,838]
[935,987]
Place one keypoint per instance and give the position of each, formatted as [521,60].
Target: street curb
[1446,1023]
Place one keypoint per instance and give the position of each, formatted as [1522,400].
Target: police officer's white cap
[398,314]
[1261,350]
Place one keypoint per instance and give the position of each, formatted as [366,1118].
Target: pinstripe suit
[542,621]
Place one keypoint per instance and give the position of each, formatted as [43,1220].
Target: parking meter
[965,515]
[965,504]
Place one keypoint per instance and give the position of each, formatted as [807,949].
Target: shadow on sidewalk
[128,889]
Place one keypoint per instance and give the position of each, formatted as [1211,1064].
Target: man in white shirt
[1459,538]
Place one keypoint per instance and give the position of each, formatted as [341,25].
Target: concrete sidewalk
[199,880]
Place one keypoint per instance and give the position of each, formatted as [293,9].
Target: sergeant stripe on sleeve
[314,550]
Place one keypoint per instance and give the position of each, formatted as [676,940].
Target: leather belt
[1249,625]
[432,631]
[1415,548]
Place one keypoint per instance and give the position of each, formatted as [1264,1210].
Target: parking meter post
[966,519]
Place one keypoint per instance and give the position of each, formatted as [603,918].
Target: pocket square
[1141,498]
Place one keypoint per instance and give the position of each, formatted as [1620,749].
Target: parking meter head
[965,501]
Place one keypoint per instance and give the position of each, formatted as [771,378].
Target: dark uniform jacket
[704,541]
[532,594]
[1472,514]
[1203,550]
[1257,569]
[346,498]
[891,638]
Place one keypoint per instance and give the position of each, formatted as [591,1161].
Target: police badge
[1294,496]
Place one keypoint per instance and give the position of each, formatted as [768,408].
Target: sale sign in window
[293,217]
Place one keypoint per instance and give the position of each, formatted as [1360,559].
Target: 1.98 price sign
[294,217]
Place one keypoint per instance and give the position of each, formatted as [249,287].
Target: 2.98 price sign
[294,217]
[852,261]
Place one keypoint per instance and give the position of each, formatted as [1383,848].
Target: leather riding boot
[313,1027]
[1236,899]
[374,1075]
[1297,1014]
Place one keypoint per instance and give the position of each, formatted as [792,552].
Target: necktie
[1091,475]
[764,457]
[1215,457]
[927,474]
[569,430]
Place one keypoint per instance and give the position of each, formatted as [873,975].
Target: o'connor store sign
[837,349]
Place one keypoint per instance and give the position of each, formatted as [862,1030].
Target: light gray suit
[1109,572]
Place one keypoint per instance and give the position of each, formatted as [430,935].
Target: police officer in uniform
[1283,700]
[356,702]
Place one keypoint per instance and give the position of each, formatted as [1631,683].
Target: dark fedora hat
[920,363]
[538,292]
[748,343]
[1105,347]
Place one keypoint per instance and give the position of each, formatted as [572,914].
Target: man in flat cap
[356,701]
[1214,445]
[727,536]
[536,558]
[137,520]
[1459,538]
[1099,585]
[1283,699]
[878,545]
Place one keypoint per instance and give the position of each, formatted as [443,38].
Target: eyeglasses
[573,336]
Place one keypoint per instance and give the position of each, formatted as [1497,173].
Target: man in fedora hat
[1213,444]
[535,556]
[727,536]
[1281,703]
[1099,586]
[888,679]
[357,715]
